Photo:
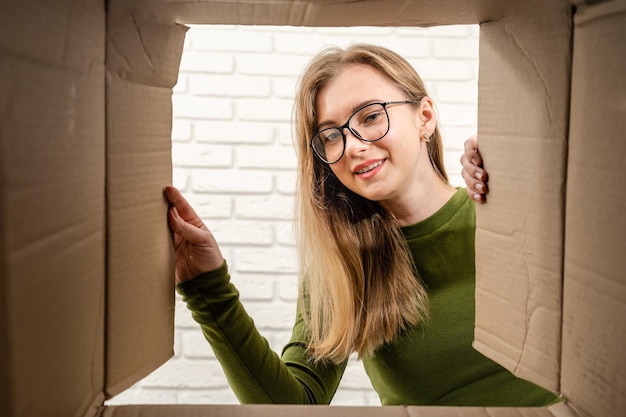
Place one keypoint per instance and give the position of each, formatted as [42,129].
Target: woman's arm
[255,372]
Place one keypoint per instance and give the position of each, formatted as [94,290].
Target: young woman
[386,251]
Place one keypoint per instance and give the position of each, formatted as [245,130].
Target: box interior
[85,254]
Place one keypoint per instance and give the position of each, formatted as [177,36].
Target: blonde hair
[359,286]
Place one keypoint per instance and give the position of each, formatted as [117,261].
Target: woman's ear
[426,116]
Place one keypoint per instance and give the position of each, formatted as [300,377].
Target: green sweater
[433,364]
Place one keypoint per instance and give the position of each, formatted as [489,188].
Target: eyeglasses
[368,123]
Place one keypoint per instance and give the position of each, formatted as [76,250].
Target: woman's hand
[196,250]
[474,175]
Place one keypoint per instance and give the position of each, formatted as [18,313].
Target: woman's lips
[368,167]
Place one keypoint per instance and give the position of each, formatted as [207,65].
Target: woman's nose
[354,144]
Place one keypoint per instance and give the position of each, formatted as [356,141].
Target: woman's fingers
[474,175]
[184,210]
[196,250]
[186,230]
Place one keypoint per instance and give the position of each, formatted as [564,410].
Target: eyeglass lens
[370,124]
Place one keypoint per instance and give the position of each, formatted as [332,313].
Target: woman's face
[387,170]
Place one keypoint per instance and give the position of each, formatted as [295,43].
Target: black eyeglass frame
[346,125]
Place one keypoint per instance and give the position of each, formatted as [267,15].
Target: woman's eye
[332,136]
[372,117]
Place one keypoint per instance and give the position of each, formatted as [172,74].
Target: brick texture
[234,160]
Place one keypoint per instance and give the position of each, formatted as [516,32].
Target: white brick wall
[234,160]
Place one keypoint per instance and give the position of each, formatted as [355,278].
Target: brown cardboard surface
[594,330]
[323,411]
[84,243]
[51,207]
[143,57]
[342,13]
[522,121]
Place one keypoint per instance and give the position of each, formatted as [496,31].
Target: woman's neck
[420,203]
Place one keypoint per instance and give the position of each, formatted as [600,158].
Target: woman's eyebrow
[332,123]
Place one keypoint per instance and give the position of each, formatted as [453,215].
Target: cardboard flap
[51,207]
[143,56]
[522,132]
[560,410]
[594,330]
[341,13]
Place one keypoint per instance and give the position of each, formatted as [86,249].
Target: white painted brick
[436,32]
[284,134]
[187,373]
[182,84]
[183,319]
[347,397]
[221,180]
[272,316]
[264,207]
[286,182]
[181,130]
[233,132]
[138,395]
[410,48]
[454,137]
[231,85]
[357,31]
[275,64]
[260,260]
[227,38]
[266,157]
[284,87]
[285,233]
[191,155]
[242,232]
[220,63]
[209,206]
[303,42]
[195,346]
[355,376]
[280,338]
[287,287]
[180,178]
[457,114]
[273,110]
[466,48]
[213,396]
[446,70]
[457,92]
[255,287]
[194,107]
[372,398]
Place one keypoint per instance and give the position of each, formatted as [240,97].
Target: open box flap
[523,101]
[143,57]
[51,207]
[594,330]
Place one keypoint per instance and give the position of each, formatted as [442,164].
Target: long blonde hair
[359,286]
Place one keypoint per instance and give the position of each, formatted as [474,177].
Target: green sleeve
[255,372]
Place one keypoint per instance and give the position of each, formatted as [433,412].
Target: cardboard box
[85,257]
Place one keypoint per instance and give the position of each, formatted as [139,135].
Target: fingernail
[479,175]
[479,186]
[477,197]
[474,161]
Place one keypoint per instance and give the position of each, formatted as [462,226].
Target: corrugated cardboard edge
[519,248]
[594,329]
[52,199]
[143,57]
[559,410]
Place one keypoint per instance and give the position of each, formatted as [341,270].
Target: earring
[426,138]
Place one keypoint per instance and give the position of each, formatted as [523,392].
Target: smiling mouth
[369,167]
